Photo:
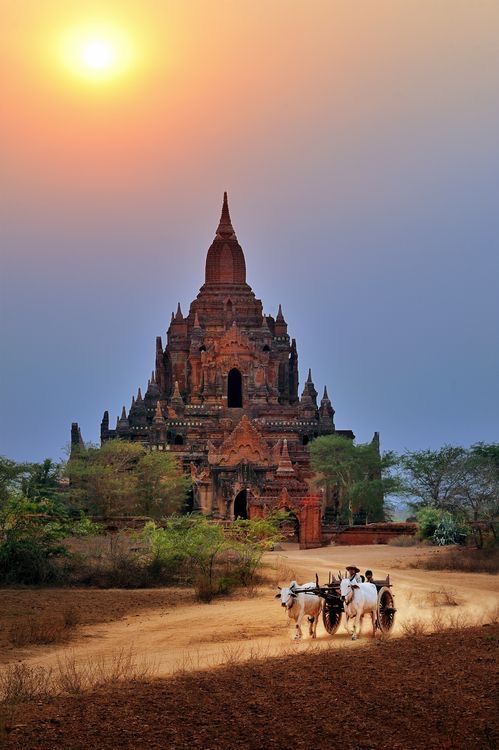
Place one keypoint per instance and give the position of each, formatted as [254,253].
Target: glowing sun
[97,53]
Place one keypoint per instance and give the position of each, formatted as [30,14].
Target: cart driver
[353,573]
[369,576]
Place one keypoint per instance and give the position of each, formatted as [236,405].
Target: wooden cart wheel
[386,610]
[331,617]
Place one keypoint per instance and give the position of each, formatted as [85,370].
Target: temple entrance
[234,389]
[241,505]
[290,527]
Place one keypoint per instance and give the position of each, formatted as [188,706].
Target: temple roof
[225,262]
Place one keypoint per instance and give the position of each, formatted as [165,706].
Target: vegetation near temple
[358,474]
[123,478]
[454,490]
[45,507]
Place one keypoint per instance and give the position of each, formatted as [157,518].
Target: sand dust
[191,636]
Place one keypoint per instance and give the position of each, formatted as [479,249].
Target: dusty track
[190,636]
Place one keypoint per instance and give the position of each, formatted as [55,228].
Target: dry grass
[466,560]
[278,573]
[442,598]
[404,540]
[42,631]
[20,683]
[415,626]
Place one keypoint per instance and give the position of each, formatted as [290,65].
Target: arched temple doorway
[234,389]
[241,505]
[290,527]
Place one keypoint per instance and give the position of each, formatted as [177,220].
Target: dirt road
[192,636]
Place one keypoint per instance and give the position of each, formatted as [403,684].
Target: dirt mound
[432,691]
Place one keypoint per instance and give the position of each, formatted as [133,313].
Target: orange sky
[226,77]
[358,142]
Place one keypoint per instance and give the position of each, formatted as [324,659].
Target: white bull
[358,599]
[299,604]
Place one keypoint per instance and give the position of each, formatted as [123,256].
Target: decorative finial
[280,316]
[225,228]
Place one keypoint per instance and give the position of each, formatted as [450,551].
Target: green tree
[463,482]
[12,476]
[43,481]
[360,473]
[431,477]
[476,496]
[103,481]
[123,478]
[161,485]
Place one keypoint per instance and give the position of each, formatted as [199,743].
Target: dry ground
[179,633]
[88,607]
[434,691]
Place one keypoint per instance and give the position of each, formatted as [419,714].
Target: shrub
[466,560]
[449,531]
[404,540]
[428,520]
[193,549]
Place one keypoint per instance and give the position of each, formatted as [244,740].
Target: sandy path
[194,636]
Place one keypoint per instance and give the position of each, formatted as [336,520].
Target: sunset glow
[97,52]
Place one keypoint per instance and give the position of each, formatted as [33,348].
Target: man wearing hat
[353,573]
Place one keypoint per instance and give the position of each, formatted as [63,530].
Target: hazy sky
[359,145]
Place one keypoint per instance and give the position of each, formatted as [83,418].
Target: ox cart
[332,608]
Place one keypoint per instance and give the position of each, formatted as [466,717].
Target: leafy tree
[123,478]
[432,477]
[463,482]
[12,475]
[360,473]
[161,485]
[477,493]
[43,481]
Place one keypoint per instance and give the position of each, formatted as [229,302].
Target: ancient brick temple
[224,397]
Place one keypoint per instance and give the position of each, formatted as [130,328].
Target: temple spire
[158,414]
[179,315]
[280,316]
[225,228]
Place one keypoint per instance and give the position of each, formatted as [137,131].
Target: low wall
[373,533]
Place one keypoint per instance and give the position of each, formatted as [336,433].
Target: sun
[97,52]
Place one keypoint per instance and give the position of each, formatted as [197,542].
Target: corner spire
[280,316]
[285,466]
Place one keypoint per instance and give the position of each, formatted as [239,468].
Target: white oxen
[299,604]
[359,599]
